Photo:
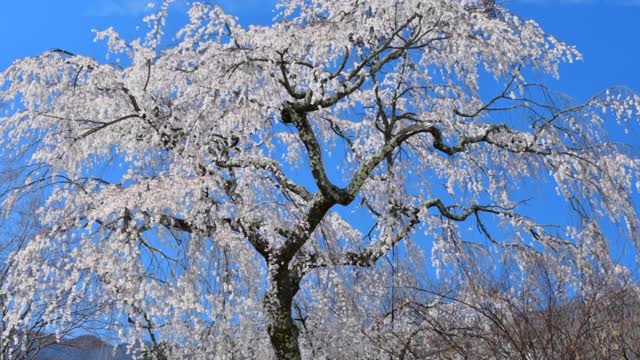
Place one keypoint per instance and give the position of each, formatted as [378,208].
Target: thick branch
[373,252]
[317,209]
[249,231]
[271,166]
[176,223]
[308,137]
[107,124]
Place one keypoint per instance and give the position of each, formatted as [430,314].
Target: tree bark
[277,306]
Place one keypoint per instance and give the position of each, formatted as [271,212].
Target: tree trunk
[277,307]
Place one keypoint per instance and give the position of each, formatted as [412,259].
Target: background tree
[173,194]
[491,321]
[26,322]
[22,326]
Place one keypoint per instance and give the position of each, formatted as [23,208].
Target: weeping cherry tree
[196,191]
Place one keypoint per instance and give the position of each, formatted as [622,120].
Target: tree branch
[271,166]
[370,255]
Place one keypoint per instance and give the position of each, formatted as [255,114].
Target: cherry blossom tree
[223,195]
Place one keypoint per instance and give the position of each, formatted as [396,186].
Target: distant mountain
[83,348]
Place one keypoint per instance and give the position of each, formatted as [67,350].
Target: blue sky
[606,31]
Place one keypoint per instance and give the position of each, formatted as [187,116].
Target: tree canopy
[239,192]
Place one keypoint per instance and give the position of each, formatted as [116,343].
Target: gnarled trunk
[277,307]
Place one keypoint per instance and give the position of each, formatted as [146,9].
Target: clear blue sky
[606,31]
